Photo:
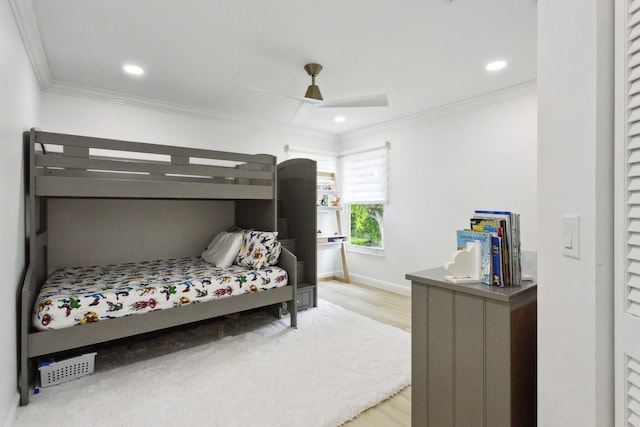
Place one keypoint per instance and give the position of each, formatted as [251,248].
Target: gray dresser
[473,353]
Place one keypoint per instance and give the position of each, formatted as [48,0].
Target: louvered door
[632,386]
[627,295]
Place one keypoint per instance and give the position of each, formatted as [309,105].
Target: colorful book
[496,258]
[470,236]
[496,227]
[516,248]
[512,235]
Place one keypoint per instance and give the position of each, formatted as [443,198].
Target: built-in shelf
[327,195]
[330,243]
[331,240]
[322,209]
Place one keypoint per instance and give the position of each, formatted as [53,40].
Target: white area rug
[250,370]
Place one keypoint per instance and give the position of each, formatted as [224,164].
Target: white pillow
[223,249]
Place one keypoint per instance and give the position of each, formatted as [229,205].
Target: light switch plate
[570,236]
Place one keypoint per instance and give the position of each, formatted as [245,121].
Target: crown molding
[501,95]
[25,17]
[313,150]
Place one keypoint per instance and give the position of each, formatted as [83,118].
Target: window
[365,178]
[366,226]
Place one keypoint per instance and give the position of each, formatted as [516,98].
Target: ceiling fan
[313,97]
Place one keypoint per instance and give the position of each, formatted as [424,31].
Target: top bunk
[64,165]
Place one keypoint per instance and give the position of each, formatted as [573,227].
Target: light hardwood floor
[386,307]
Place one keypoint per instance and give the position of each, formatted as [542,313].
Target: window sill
[365,250]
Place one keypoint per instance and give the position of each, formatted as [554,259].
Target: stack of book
[499,235]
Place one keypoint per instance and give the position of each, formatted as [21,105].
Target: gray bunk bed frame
[76,172]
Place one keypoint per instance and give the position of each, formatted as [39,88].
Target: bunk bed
[62,169]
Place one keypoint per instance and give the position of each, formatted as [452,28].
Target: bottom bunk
[79,295]
[55,320]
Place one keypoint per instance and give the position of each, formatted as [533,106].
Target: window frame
[379,154]
[370,250]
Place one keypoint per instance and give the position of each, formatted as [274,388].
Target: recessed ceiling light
[495,65]
[339,119]
[133,69]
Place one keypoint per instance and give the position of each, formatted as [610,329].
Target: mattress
[79,295]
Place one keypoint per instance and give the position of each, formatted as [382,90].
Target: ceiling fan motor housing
[313,91]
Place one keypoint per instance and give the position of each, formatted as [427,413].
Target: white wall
[18,105]
[575,177]
[83,116]
[442,168]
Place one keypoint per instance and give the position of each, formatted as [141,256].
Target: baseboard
[338,278]
[380,284]
[13,408]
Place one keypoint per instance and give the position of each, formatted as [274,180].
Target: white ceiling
[201,56]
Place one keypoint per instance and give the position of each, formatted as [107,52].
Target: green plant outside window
[366,227]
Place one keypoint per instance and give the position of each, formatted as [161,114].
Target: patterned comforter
[78,295]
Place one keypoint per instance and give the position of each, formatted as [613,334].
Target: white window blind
[326,161]
[633,163]
[365,175]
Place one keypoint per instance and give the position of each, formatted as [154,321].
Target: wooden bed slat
[180,160]
[61,186]
[140,147]
[58,161]
[71,151]
[80,174]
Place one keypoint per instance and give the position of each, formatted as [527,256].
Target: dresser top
[435,277]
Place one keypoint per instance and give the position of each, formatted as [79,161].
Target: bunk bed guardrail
[111,168]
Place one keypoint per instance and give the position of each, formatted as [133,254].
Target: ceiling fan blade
[379,100]
[298,98]
[301,112]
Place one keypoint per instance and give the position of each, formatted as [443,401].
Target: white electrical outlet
[571,236]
